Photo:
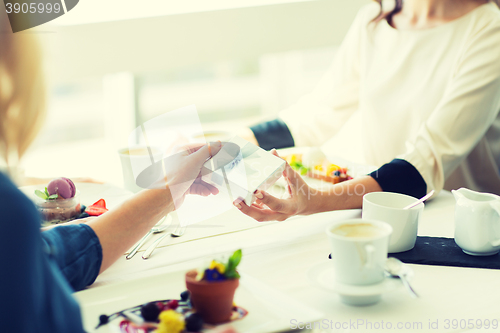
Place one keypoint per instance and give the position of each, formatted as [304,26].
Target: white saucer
[323,276]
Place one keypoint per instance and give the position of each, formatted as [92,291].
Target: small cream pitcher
[477,222]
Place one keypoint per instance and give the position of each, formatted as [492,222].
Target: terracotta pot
[212,300]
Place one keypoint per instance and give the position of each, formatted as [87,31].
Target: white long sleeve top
[430,97]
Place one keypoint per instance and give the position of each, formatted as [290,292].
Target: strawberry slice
[97,208]
[100,203]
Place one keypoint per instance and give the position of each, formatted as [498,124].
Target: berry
[336,173]
[194,322]
[95,210]
[83,215]
[103,319]
[185,295]
[82,208]
[161,306]
[150,312]
[100,203]
[173,304]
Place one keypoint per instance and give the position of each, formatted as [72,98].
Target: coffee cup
[136,159]
[359,251]
[388,207]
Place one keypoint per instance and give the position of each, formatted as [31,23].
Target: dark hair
[388,16]
[397,8]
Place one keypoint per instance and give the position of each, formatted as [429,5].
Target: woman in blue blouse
[40,270]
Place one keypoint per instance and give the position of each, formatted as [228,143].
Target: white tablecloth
[281,253]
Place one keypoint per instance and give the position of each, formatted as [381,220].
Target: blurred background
[112,65]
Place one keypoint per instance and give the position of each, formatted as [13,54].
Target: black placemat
[442,251]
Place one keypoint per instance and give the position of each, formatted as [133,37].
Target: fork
[178,232]
[159,227]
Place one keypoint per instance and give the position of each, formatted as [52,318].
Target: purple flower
[213,275]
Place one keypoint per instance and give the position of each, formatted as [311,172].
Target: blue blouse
[39,271]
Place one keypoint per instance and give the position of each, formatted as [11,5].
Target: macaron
[64,187]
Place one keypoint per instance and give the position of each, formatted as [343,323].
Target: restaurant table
[280,254]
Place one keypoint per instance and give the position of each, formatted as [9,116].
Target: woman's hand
[183,171]
[122,227]
[269,208]
[304,200]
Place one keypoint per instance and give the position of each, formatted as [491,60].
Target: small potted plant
[212,289]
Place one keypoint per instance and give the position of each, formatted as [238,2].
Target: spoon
[178,232]
[158,228]
[397,269]
[422,199]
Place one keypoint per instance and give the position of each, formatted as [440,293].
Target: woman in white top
[425,81]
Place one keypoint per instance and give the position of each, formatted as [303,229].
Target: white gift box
[241,168]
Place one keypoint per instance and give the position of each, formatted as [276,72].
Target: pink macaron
[64,187]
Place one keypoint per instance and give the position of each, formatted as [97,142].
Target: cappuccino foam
[358,230]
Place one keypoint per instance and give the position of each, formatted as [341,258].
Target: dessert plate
[355,170]
[90,193]
[269,310]
[323,277]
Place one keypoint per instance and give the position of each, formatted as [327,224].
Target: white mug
[388,207]
[134,160]
[477,222]
[359,250]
